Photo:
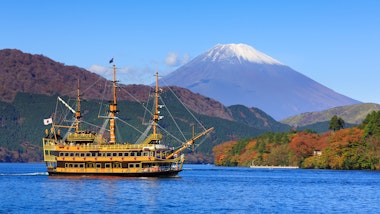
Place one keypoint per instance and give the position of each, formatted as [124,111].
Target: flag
[48,121]
[111,61]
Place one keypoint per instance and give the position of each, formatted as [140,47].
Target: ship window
[88,154]
[61,154]
[137,165]
[71,154]
[77,154]
[132,154]
[120,154]
[108,154]
[94,154]
[126,154]
[66,154]
[114,154]
[46,152]
[98,165]
[108,165]
[78,165]
[116,165]
[138,153]
[82,154]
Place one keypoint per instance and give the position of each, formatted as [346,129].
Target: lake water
[26,188]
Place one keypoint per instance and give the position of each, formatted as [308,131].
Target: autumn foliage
[351,148]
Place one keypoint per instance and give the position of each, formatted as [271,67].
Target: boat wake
[25,174]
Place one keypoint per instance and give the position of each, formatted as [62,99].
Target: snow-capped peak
[222,52]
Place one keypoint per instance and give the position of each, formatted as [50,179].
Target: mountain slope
[37,74]
[238,74]
[353,114]
[21,72]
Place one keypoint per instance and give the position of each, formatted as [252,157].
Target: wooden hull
[170,173]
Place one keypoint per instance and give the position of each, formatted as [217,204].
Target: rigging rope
[168,133]
[144,135]
[93,84]
[175,122]
[99,127]
[130,125]
[186,108]
[198,144]
[104,92]
[137,100]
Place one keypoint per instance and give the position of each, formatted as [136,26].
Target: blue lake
[26,188]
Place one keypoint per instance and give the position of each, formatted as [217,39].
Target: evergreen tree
[371,124]
[336,123]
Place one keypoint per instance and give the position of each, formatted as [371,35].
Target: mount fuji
[239,74]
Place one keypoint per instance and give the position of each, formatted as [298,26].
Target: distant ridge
[239,74]
[353,114]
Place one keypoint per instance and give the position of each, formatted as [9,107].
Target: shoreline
[274,167]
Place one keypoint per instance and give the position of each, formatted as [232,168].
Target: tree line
[341,148]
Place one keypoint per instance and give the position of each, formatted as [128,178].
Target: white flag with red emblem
[48,121]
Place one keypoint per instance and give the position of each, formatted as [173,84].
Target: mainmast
[156,107]
[77,113]
[113,110]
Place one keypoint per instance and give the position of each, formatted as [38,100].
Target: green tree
[371,124]
[336,123]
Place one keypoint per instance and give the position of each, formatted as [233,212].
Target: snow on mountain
[245,52]
[239,74]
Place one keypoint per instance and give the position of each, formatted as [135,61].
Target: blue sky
[335,42]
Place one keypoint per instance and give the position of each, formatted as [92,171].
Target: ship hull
[162,174]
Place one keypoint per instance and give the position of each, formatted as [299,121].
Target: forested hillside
[350,148]
[21,126]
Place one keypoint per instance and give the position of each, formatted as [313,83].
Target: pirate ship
[82,152]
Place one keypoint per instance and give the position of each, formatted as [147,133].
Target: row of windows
[105,154]
[99,165]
